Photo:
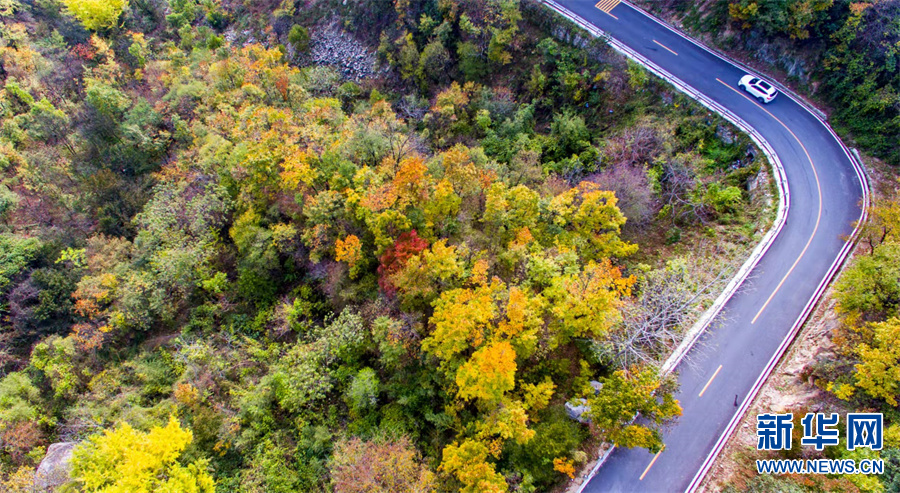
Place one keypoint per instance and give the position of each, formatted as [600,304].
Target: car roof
[764,85]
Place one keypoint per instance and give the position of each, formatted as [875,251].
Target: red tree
[394,258]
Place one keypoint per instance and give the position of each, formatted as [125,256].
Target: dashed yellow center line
[651,463]
[666,47]
[818,216]
[713,377]
[606,6]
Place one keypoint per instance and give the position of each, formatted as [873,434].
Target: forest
[229,263]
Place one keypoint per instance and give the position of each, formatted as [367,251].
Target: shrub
[299,38]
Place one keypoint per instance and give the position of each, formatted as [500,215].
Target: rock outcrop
[54,469]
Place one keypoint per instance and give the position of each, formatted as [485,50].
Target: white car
[758,88]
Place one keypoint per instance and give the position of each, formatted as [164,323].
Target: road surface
[826,194]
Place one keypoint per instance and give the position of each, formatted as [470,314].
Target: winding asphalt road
[751,332]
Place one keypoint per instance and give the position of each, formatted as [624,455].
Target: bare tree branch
[654,323]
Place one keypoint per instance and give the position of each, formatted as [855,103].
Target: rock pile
[332,46]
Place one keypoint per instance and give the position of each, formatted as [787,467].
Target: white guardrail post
[784,202]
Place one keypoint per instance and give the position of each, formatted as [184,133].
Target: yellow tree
[450,112]
[297,169]
[586,304]
[96,14]
[468,463]
[462,319]
[507,421]
[425,275]
[884,221]
[349,250]
[510,210]
[592,220]
[523,321]
[491,322]
[878,372]
[442,205]
[489,373]
[470,318]
[125,460]
[410,183]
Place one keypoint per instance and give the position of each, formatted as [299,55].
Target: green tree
[259,257]
[627,393]
[869,290]
[433,63]
[471,63]
[570,135]
[720,199]
[15,253]
[363,391]
[555,436]
[408,56]
[301,378]
[19,400]
[891,476]
[55,357]
[299,38]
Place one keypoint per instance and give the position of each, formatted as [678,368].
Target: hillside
[277,247]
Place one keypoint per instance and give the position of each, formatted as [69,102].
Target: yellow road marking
[607,5]
[713,377]
[818,187]
[651,463]
[666,47]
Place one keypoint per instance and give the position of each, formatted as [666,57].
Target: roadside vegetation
[225,266]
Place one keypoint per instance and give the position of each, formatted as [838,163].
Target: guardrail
[703,322]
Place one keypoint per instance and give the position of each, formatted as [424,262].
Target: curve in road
[827,190]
